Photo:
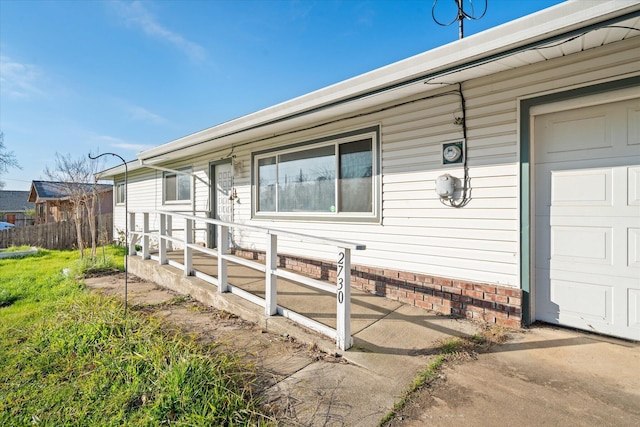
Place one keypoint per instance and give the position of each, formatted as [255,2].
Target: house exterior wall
[19,219]
[470,255]
[145,193]
[53,211]
[47,211]
[106,202]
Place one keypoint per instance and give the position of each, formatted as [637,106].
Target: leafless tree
[7,159]
[76,176]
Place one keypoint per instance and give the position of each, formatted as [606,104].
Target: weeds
[423,378]
[68,357]
[99,265]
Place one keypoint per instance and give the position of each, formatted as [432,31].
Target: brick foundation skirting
[478,301]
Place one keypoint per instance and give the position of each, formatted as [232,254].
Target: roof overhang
[110,173]
[561,30]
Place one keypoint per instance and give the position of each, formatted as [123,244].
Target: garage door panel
[594,304]
[581,244]
[587,210]
[590,187]
[592,130]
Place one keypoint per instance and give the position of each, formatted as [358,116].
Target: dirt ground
[273,356]
[542,376]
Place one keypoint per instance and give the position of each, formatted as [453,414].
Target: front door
[221,196]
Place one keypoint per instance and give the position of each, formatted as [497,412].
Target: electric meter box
[453,152]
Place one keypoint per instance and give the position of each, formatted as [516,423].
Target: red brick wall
[490,303]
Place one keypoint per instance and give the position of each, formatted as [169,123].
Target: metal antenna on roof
[461,14]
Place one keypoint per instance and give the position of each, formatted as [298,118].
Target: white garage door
[587,218]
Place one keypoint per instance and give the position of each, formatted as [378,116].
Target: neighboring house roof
[564,29]
[51,190]
[15,201]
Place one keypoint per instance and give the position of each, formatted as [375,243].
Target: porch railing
[166,238]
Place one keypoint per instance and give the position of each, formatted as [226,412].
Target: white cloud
[114,142]
[135,14]
[132,147]
[19,80]
[143,115]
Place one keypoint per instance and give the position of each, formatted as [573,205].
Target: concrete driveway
[545,376]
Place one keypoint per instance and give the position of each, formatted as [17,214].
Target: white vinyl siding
[416,232]
[479,242]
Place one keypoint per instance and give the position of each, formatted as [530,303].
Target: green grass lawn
[70,357]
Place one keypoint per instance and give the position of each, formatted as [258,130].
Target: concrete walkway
[542,371]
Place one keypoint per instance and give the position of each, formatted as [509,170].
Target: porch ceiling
[559,31]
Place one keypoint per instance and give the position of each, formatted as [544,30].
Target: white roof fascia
[557,20]
[118,170]
[160,168]
[176,171]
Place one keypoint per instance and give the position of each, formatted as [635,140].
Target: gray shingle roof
[15,201]
[61,190]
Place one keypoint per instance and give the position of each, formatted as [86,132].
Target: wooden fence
[57,235]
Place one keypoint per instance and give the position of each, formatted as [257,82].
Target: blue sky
[124,76]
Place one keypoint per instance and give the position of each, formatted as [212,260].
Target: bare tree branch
[7,159]
[76,177]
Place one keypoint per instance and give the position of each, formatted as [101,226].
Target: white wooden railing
[165,236]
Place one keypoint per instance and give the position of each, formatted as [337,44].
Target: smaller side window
[177,186]
[120,193]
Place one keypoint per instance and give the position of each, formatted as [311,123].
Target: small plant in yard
[452,346]
[99,265]
[70,357]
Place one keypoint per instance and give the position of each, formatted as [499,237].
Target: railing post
[169,230]
[132,226]
[188,252]
[271,293]
[343,296]
[145,238]
[162,243]
[223,247]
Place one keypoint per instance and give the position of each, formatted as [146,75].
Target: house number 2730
[340,276]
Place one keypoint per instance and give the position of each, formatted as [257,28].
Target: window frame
[185,173]
[370,133]
[120,190]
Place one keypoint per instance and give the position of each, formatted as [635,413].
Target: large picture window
[329,178]
[177,186]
